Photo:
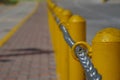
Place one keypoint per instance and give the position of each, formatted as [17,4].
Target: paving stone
[28,54]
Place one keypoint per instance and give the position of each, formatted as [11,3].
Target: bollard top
[108,35]
[58,11]
[66,13]
[76,18]
[49,2]
[53,5]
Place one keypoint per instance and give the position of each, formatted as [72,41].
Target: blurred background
[26,52]
[99,14]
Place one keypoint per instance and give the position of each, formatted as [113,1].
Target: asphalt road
[98,16]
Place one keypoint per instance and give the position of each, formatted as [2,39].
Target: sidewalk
[28,55]
[12,17]
[4,8]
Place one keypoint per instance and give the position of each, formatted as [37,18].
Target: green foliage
[9,1]
[32,0]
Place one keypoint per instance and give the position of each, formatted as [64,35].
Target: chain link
[81,53]
[91,72]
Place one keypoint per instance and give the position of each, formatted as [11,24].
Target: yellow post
[77,30]
[51,21]
[49,3]
[106,53]
[53,26]
[63,47]
[65,16]
[58,11]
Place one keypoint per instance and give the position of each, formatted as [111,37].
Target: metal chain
[91,72]
[81,53]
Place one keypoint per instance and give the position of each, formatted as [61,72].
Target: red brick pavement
[28,54]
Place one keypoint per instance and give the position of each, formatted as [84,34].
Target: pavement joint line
[16,27]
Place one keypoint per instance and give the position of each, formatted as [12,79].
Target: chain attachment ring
[84,45]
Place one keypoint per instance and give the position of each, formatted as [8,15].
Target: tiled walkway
[13,16]
[28,54]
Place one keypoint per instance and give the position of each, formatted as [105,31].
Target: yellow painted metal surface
[51,19]
[58,11]
[84,45]
[77,29]
[63,48]
[105,47]
[53,33]
[106,53]
[65,16]
[51,22]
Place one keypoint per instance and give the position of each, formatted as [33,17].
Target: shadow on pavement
[5,60]
[25,52]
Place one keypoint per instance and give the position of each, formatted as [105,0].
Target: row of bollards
[104,51]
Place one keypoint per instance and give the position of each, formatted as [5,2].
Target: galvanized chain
[81,53]
[91,72]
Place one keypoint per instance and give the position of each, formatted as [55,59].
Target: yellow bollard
[106,53]
[55,27]
[57,12]
[63,48]
[65,16]
[77,30]
[51,23]
[52,26]
[49,3]
[56,33]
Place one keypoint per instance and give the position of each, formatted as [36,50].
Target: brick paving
[11,15]
[28,54]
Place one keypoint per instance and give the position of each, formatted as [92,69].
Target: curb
[16,27]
